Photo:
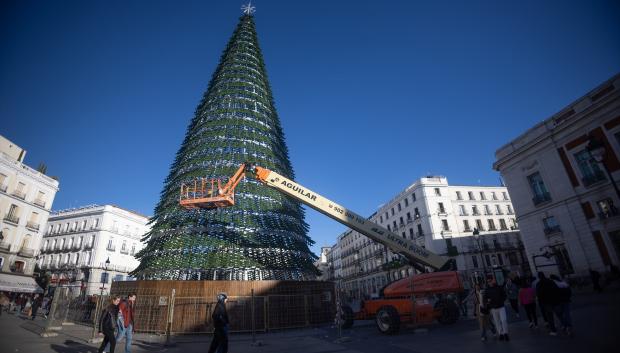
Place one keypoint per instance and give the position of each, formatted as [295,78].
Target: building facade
[562,174]
[26,197]
[441,218]
[78,243]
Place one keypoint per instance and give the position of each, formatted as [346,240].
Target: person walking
[219,343]
[482,311]
[547,293]
[494,298]
[108,325]
[527,298]
[562,309]
[36,304]
[127,310]
[512,291]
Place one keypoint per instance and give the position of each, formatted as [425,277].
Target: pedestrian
[512,291]
[595,276]
[219,343]
[547,293]
[562,309]
[108,325]
[4,301]
[494,298]
[527,298]
[36,304]
[127,312]
[482,311]
[45,306]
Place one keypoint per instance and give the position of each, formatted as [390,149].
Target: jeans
[499,318]
[562,311]
[126,332]
[530,310]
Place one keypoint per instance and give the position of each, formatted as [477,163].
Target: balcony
[442,212]
[551,230]
[111,248]
[19,194]
[5,246]
[32,225]
[3,188]
[39,203]
[611,212]
[124,251]
[540,198]
[511,212]
[11,219]
[467,229]
[476,213]
[88,245]
[503,227]
[499,213]
[465,213]
[26,252]
[593,178]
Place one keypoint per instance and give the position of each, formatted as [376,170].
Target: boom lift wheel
[388,320]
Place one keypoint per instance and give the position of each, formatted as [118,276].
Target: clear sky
[371,94]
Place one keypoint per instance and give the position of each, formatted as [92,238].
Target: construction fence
[185,307]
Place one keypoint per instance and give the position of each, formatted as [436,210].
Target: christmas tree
[263,236]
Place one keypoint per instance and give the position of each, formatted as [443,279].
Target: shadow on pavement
[73,347]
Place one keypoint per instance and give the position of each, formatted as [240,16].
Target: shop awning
[20,284]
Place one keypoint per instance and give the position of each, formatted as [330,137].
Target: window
[416,213]
[563,260]
[95,224]
[46,245]
[493,195]
[2,179]
[512,259]
[410,233]
[111,245]
[444,225]
[83,225]
[505,194]
[437,192]
[498,210]
[442,210]
[462,210]
[474,260]
[401,221]
[487,260]
[420,232]
[403,235]
[459,196]
[466,227]
[390,229]
[471,195]
[115,227]
[474,210]
[538,188]
[13,214]
[104,277]
[606,208]
[491,224]
[413,197]
[381,219]
[513,224]
[394,223]
[500,259]
[502,224]
[482,197]
[589,168]
[550,225]
[487,210]
[479,225]
[509,209]
[118,278]
[408,216]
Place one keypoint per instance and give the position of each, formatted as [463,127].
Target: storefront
[19,284]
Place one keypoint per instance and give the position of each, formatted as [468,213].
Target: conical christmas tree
[263,236]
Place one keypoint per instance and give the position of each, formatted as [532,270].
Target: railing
[88,245]
[124,251]
[19,194]
[32,225]
[11,219]
[476,213]
[39,202]
[593,178]
[111,248]
[551,230]
[464,213]
[467,229]
[540,198]
[499,213]
[612,212]
[26,252]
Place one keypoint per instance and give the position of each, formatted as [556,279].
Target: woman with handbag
[108,324]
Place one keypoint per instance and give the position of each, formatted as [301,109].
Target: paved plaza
[595,320]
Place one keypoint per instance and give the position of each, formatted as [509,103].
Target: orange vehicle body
[414,297]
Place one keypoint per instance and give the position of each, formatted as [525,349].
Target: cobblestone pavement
[595,319]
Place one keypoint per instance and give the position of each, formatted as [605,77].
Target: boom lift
[420,299]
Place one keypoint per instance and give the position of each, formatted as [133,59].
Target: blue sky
[371,95]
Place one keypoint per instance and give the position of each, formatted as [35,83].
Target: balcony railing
[26,252]
[88,245]
[111,248]
[551,230]
[540,198]
[19,194]
[593,178]
[476,213]
[39,202]
[442,212]
[124,251]
[612,212]
[32,225]
[11,219]
[3,188]
[467,229]
[465,213]
[499,213]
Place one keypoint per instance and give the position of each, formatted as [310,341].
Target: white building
[26,197]
[78,242]
[322,264]
[441,218]
[563,195]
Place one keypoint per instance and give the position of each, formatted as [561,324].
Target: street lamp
[104,278]
[476,234]
[598,151]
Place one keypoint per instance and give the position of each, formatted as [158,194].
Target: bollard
[169,342]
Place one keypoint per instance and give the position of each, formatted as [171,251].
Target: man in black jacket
[548,298]
[494,297]
[220,322]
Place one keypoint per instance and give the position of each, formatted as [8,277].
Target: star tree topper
[248,9]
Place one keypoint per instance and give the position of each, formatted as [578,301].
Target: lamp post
[598,151]
[476,234]
[104,278]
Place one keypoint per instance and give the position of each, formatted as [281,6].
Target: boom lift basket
[209,193]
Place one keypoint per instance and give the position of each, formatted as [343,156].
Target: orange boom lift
[418,299]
